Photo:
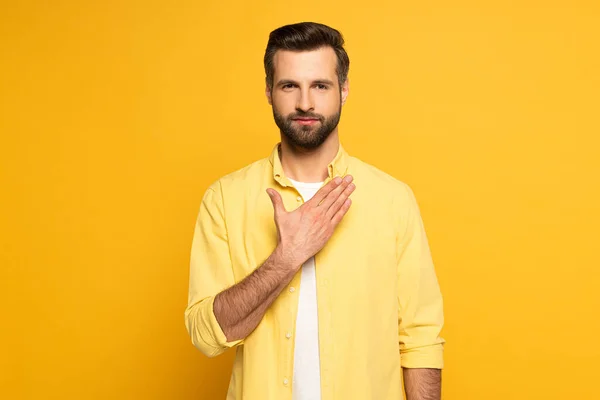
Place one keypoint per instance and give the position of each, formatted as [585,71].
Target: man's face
[306,96]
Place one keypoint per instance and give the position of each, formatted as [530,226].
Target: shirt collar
[337,167]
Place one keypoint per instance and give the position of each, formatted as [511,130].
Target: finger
[341,212]
[275,197]
[339,202]
[324,191]
[336,193]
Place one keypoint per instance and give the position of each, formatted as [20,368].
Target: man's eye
[288,86]
[321,86]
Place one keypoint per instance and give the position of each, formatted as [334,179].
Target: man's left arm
[420,306]
[422,383]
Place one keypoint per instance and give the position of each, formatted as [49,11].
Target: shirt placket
[326,341]
[291,200]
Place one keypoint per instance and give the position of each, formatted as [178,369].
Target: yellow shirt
[379,302]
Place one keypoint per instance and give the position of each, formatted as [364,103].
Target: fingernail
[338,180]
[348,178]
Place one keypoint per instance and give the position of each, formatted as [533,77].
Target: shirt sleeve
[210,273]
[420,305]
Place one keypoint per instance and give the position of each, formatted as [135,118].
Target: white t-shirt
[307,372]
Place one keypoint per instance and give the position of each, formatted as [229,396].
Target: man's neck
[308,165]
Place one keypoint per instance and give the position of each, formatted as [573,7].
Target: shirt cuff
[431,356]
[214,329]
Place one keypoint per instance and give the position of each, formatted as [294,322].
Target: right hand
[302,233]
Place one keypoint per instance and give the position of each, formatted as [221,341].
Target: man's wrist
[285,260]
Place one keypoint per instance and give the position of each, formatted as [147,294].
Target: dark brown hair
[306,36]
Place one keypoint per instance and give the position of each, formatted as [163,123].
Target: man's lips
[306,121]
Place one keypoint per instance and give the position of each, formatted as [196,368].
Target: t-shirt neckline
[307,185]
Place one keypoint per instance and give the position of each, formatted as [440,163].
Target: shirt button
[285,381]
[288,335]
[292,289]
[299,198]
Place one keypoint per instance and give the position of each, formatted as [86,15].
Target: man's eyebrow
[316,82]
[285,82]
[323,82]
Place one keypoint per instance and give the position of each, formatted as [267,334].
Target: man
[322,296]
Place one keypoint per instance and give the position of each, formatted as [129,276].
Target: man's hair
[306,36]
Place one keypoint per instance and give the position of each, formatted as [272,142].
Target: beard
[306,136]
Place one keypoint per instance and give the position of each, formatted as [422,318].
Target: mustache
[306,115]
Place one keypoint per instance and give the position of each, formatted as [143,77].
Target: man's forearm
[422,383]
[240,308]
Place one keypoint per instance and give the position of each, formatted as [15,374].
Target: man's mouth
[306,121]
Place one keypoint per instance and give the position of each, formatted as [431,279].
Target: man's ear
[345,90]
[268,94]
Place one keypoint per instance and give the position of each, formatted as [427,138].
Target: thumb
[276,200]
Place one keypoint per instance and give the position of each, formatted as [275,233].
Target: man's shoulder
[382,186]
[375,178]
[249,174]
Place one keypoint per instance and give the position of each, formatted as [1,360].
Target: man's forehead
[307,64]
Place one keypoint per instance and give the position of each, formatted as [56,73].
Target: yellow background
[115,117]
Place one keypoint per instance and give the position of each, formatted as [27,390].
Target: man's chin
[307,143]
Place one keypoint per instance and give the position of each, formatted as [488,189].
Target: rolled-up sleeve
[210,273]
[420,304]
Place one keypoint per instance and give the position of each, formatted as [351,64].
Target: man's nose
[305,101]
